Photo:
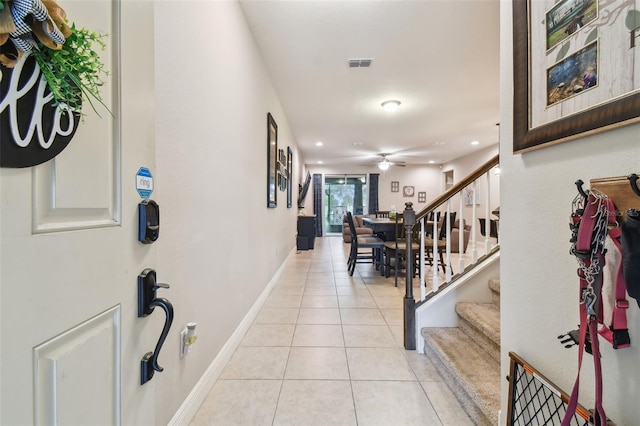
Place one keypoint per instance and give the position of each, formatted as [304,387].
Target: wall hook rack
[622,190]
[633,181]
[147,301]
[583,193]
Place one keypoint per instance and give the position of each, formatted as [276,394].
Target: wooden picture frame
[289,177]
[272,162]
[422,197]
[395,186]
[538,123]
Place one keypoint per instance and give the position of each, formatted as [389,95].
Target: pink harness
[590,227]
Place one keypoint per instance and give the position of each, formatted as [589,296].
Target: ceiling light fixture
[475,143]
[384,164]
[319,143]
[390,106]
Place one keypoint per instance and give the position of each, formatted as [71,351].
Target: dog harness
[591,218]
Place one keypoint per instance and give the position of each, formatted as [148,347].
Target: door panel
[86,357]
[79,188]
[69,197]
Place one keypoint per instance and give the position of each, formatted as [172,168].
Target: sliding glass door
[343,193]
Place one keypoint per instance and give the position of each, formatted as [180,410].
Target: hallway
[327,349]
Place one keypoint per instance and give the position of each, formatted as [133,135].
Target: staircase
[468,357]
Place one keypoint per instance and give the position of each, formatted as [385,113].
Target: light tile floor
[327,349]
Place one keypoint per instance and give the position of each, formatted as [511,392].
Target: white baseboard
[192,403]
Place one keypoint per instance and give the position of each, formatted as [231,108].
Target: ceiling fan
[384,163]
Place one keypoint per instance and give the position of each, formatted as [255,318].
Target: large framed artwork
[272,162]
[576,69]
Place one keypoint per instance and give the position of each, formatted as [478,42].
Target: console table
[306,232]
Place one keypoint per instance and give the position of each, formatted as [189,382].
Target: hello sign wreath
[47,69]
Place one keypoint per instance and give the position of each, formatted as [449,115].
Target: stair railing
[454,200]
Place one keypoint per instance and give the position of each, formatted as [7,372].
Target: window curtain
[317,202]
[374,179]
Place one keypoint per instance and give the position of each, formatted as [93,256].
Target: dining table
[382,226]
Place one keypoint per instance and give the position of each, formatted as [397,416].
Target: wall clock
[408,191]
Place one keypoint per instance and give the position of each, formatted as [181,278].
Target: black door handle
[147,301]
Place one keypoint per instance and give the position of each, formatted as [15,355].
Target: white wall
[463,166]
[539,293]
[220,244]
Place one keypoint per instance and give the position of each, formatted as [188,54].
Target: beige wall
[220,243]
[538,276]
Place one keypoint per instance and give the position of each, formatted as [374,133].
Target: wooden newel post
[409,218]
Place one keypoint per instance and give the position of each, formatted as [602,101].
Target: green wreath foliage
[74,70]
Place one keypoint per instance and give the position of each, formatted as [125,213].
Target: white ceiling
[440,58]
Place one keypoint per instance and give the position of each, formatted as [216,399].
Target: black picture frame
[282,170]
[272,162]
[395,186]
[615,112]
[289,175]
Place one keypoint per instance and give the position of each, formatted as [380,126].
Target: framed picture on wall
[467,195]
[408,191]
[272,162]
[422,197]
[395,186]
[289,176]
[282,170]
[574,69]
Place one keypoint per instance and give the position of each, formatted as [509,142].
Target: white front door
[69,256]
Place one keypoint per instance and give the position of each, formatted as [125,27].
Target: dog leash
[589,224]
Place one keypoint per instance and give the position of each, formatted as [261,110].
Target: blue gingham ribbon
[21,37]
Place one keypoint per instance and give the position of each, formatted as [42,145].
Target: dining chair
[493,227]
[395,252]
[441,242]
[383,213]
[433,216]
[363,242]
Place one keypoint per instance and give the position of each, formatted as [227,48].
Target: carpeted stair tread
[494,285]
[468,369]
[484,317]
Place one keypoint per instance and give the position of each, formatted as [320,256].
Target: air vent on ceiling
[360,63]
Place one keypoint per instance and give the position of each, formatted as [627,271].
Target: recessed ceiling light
[431,162]
[475,143]
[390,106]
[320,162]
[319,143]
